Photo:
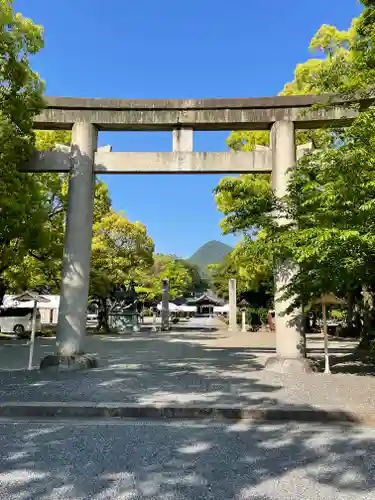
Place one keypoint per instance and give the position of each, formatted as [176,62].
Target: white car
[92,317]
[18,320]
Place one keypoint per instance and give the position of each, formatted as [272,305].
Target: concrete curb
[84,410]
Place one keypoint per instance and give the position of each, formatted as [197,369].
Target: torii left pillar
[77,249]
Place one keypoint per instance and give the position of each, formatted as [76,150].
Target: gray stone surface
[289,101]
[82,461]
[182,367]
[289,365]
[199,119]
[165,315]
[200,114]
[154,163]
[183,162]
[232,286]
[183,140]
[77,242]
[56,362]
[105,410]
[287,326]
[48,161]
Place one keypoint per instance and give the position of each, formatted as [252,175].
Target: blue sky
[175,49]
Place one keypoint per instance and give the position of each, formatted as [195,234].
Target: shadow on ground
[352,364]
[161,368]
[168,368]
[203,329]
[174,461]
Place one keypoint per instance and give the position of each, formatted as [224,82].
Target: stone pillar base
[59,362]
[166,328]
[279,364]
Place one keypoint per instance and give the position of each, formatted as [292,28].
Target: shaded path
[189,368]
[85,461]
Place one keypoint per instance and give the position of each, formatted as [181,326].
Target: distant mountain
[212,252]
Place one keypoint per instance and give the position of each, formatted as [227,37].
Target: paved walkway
[185,367]
[184,461]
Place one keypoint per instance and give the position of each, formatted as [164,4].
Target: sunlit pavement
[97,461]
[204,331]
[116,459]
[183,367]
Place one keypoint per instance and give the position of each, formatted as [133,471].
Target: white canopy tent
[172,307]
[189,309]
[221,309]
[48,311]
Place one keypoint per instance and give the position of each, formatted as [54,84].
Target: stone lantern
[243,305]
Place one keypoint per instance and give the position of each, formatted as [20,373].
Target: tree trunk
[314,320]
[367,313]
[3,289]
[306,323]
[305,327]
[350,310]
[103,315]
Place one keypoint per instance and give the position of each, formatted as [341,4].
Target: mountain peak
[212,252]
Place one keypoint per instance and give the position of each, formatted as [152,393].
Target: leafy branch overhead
[330,204]
[32,217]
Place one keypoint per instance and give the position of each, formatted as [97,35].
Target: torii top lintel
[199,114]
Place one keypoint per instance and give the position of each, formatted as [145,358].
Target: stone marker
[165,306]
[232,305]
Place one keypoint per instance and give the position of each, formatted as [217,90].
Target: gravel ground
[81,461]
[185,367]
[203,386]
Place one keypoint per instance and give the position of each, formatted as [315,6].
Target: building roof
[207,298]
[53,302]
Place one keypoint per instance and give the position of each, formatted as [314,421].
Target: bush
[338,315]
[348,331]
[45,333]
[372,349]
[256,316]
[147,311]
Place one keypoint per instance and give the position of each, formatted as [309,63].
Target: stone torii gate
[85,117]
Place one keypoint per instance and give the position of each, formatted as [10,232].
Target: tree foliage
[330,204]
[179,274]
[32,222]
[21,203]
[121,251]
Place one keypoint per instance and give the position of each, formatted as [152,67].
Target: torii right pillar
[289,334]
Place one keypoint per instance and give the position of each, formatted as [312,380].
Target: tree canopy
[23,213]
[180,277]
[330,202]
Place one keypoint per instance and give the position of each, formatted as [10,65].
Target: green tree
[249,197]
[198,283]
[331,192]
[41,267]
[250,263]
[23,213]
[121,252]
[167,266]
[335,51]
